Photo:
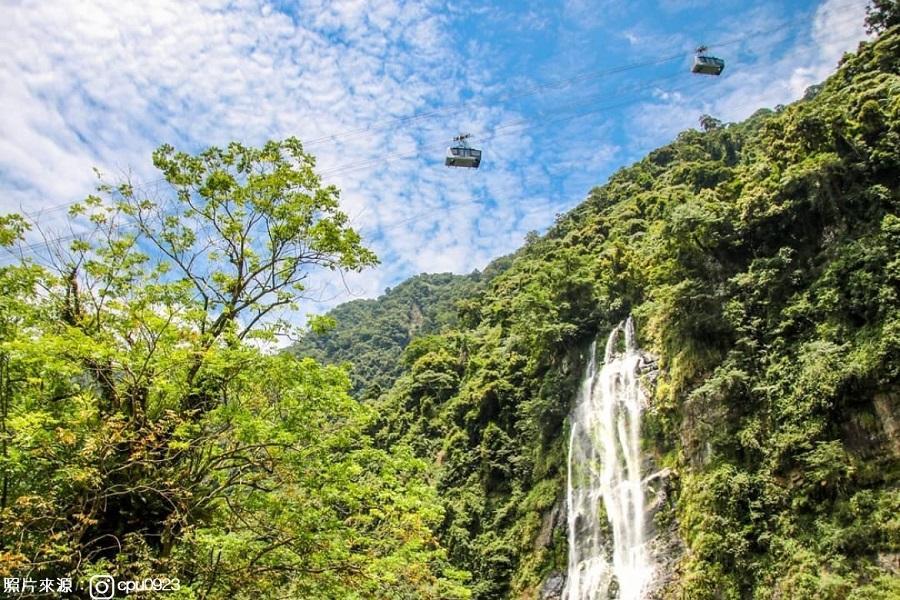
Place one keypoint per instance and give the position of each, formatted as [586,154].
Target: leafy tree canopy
[144,432]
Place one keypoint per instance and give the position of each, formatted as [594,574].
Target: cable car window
[462,155]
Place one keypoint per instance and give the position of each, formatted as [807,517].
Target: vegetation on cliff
[760,260]
[142,431]
[368,336]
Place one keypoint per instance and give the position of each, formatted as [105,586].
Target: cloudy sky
[558,94]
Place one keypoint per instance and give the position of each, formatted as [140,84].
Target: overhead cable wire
[492,133]
[554,84]
[349,167]
[561,83]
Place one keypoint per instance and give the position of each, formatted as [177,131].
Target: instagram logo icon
[102,587]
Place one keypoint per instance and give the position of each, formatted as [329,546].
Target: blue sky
[540,85]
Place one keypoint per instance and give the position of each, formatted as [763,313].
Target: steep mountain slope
[760,262]
[370,335]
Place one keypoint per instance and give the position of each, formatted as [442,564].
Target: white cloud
[101,83]
[757,74]
[837,28]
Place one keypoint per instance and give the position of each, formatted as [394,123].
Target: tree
[243,229]
[709,123]
[145,432]
[882,15]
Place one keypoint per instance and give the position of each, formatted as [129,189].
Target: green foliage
[760,261]
[142,430]
[11,229]
[881,15]
[371,335]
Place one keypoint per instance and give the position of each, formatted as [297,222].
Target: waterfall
[604,495]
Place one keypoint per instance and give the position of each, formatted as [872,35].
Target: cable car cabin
[463,156]
[708,65]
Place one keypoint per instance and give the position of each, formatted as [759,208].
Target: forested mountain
[370,335]
[759,260]
[145,433]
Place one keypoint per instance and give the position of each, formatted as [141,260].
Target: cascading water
[605,466]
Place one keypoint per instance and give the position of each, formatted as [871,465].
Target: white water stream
[604,489]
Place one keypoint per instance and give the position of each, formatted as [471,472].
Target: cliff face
[760,262]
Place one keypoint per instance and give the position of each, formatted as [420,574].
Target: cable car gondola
[707,65]
[463,155]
